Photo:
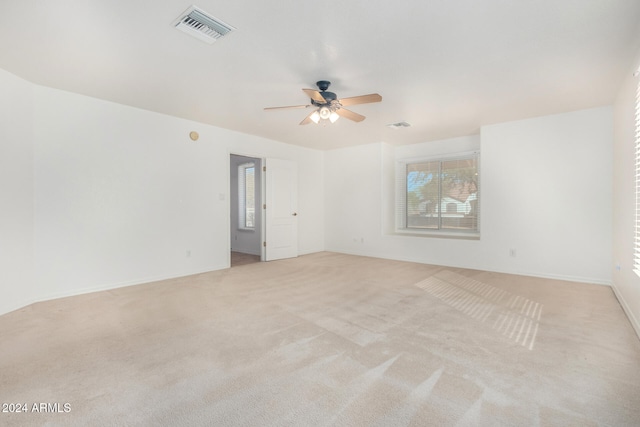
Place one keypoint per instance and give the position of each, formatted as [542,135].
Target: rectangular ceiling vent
[198,23]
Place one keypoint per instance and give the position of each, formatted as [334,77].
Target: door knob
[295,214]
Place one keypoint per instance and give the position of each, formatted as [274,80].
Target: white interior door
[281,233]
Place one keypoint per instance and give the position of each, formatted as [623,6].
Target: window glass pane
[249,193]
[459,194]
[422,195]
[442,194]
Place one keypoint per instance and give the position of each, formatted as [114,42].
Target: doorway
[246,209]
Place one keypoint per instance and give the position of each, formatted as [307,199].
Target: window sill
[464,235]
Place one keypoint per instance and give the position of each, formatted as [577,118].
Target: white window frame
[401,211]
[243,209]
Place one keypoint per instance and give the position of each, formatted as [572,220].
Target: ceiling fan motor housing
[323,85]
[328,96]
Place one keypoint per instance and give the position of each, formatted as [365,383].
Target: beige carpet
[326,339]
[239,258]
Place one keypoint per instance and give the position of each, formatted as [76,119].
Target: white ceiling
[446,67]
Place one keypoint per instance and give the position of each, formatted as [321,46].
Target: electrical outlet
[512,252]
[188,253]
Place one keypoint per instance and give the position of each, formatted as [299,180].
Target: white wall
[545,191]
[16,192]
[121,194]
[626,283]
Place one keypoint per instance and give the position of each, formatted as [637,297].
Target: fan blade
[348,114]
[362,99]
[315,95]
[289,107]
[307,119]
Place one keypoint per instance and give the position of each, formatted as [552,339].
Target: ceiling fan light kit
[324,113]
[329,107]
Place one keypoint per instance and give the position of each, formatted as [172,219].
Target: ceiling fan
[329,107]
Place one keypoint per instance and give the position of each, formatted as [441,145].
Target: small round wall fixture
[194,135]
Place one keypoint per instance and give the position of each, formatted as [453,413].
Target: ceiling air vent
[198,23]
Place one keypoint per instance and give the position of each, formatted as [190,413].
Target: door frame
[260,203]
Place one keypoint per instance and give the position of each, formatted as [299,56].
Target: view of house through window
[247,195]
[442,194]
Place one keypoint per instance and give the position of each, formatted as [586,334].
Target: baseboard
[566,278]
[309,251]
[104,287]
[17,306]
[625,307]
[576,279]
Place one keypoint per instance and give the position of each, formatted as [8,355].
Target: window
[246,196]
[636,252]
[439,195]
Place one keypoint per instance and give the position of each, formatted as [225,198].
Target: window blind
[636,249]
[438,194]
[246,195]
